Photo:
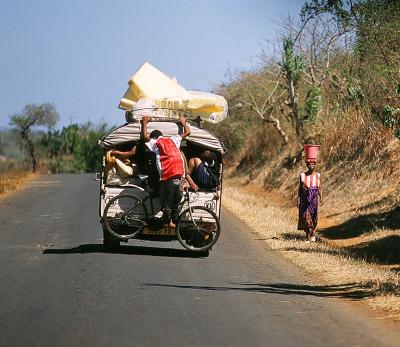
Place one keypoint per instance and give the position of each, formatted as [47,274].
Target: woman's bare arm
[320,194]
[299,192]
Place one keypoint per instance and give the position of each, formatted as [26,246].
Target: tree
[375,29]
[34,115]
[318,41]
[292,67]
[261,95]
[74,148]
[345,11]
[1,146]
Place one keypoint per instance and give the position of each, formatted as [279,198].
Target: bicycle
[126,216]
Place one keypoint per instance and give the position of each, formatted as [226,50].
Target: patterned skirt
[308,210]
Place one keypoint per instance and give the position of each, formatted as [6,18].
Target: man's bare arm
[145,134]
[186,129]
[126,154]
[187,174]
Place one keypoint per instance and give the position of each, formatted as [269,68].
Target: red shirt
[169,159]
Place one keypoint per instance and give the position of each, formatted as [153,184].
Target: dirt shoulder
[357,268]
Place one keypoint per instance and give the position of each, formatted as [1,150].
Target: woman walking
[307,200]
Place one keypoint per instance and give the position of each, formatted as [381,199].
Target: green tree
[292,67]
[74,148]
[312,104]
[51,143]
[375,29]
[33,115]
[90,152]
[345,11]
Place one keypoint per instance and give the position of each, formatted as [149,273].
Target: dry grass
[359,164]
[11,181]
[338,267]
[356,138]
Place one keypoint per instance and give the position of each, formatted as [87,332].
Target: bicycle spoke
[123,217]
[198,228]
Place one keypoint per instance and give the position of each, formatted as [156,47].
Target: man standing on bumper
[170,166]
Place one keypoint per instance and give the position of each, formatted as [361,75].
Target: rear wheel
[198,228]
[124,216]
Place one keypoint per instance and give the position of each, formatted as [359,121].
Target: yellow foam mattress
[150,83]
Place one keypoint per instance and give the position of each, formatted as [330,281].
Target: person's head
[311,165]
[205,155]
[155,134]
[129,116]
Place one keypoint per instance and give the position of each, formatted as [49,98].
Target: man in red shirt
[170,166]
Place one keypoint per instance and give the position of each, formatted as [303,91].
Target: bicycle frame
[186,199]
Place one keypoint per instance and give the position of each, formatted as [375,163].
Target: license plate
[160,232]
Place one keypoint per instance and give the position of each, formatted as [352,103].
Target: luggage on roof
[169,96]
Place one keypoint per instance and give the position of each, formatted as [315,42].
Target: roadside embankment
[11,181]
[351,266]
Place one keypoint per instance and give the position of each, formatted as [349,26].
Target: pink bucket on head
[311,152]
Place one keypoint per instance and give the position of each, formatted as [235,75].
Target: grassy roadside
[349,273]
[11,181]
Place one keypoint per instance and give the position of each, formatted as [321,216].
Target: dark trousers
[170,197]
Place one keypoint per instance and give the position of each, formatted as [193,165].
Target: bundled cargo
[153,93]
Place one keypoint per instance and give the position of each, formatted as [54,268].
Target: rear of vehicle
[144,183]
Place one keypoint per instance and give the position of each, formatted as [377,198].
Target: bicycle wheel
[198,228]
[124,216]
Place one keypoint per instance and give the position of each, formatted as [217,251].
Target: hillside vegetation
[334,81]
[42,147]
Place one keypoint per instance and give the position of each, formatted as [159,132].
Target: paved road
[60,288]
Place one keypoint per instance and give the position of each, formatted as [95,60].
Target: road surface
[59,287]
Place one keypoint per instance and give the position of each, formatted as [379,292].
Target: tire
[109,241]
[124,216]
[201,235]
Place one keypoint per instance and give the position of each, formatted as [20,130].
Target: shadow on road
[130,250]
[354,291]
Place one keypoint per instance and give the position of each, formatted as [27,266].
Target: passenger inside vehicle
[129,160]
[204,169]
[121,166]
[187,181]
[119,171]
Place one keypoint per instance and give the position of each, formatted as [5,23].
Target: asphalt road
[59,287]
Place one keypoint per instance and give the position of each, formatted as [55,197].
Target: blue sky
[80,54]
